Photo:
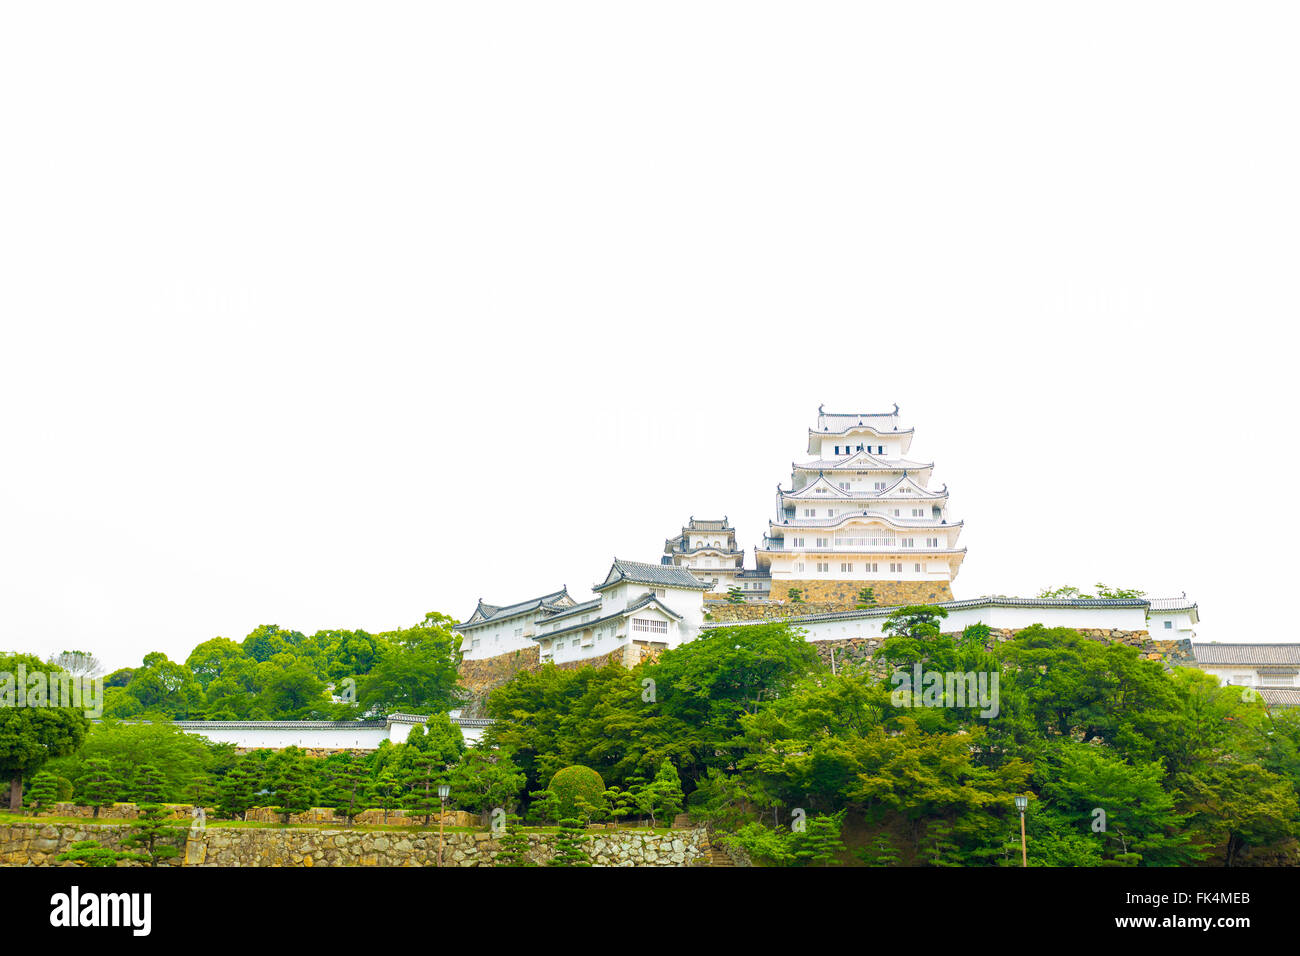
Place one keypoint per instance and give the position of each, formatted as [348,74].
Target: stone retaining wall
[118,811]
[860,651]
[768,611]
[845,593]
[481,677]
[39,844]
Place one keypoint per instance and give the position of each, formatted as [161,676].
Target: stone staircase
[719,857]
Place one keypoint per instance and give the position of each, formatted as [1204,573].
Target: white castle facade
[860,514]
[859,531]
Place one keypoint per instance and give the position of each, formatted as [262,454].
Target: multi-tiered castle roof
[863,513]
[708,547]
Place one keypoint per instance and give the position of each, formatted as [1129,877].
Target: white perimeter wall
[1012,618]
[322,738]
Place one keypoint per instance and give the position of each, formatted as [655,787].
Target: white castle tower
[708,548]
[861,515]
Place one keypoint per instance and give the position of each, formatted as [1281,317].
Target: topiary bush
[578,791]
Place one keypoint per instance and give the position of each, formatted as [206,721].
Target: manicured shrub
[578,791]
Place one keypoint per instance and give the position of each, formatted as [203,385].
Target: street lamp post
[1022,804]
[443,790]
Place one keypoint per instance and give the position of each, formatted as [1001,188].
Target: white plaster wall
[602,643]
[276,739]
[1181,622]
[499,637]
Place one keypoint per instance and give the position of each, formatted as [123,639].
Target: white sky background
[328,315]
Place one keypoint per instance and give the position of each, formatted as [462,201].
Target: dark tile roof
[1281,696]
[643,601]
[585,606]
[1247,655]
[838,421]
[199,726]
[493,612]
[654,575]
[706,524]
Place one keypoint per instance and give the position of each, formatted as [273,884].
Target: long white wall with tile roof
[320,734]
[1005,613]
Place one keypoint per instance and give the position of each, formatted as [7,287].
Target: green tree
[154,836]
[165,687]
[30,736]
[346,776]
[764,845]
[199,790]
[269,640]
[292,780]
[937,847]
[735,595]
[294,693]
[879,852]
[1140,817]
[1241,806]
[621,803]
[176,756]
[236,793]
[662,798]
[442,739]
[416,670]
[514,846]
[569,845]
[43,793]
[90,853]
[1103,591]
[149,785]
[819,844]
[485,780]
[420,785]
[579,792]
[213,658]
[97,786]
[384,790]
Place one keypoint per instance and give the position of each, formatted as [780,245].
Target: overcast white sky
[328,315]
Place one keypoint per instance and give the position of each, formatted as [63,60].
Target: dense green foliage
[1124,762]
[30,736]
[276,674]
[154,763]
[90,853]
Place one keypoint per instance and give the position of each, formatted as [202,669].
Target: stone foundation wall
[845,593]
[768,611]
[481,677]
[39,844]
[118,811]
[860,651]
